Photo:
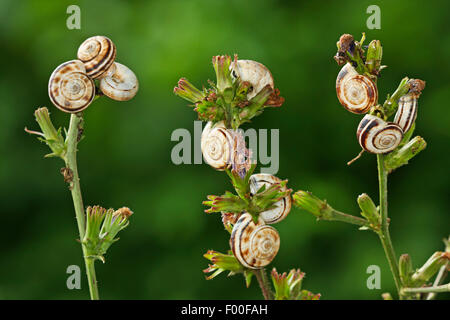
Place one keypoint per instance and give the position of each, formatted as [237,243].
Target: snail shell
[407,111]
[98,54]
[254,245]
[378,136]
[218,146]
[282,207]
[255,73]
[69,88]
[356,92]
[119,83]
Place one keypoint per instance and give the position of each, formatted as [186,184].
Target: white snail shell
[254,245]
[69,87]
[356,92]
[282,207]
[98,54]
[255,73]
[407,111]
[119,83]
[378,136]
[218,145]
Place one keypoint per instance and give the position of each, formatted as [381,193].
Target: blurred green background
[125,156]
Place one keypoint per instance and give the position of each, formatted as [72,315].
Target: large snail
[98,54]
[254,245]
[282,207]
[356,92]
[255,73]
[407,111]
[119,83]
[69,87]
[218,145]
[378,136]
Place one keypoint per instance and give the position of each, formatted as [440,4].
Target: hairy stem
[384,230]
[76,122]
[264,284]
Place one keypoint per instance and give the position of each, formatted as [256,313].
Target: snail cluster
[358,94]
[255,245]
[72,87]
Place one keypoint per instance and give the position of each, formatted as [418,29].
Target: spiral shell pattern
[120,83]
[69,88]
[254,245]
[218,146]
[407,111]
[378,136]
[98,54]
[255,73]
[282,207]
[356,92]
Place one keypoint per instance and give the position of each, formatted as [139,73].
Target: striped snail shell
[69,88]
[378,136]
[98,54]
[282,207]
[407,111]
[119,83]
[255,73]
[356,92]
[254,245]
[218,145]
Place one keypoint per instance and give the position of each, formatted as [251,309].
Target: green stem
[384,230]
[71,163]
[434,289]
[264,284]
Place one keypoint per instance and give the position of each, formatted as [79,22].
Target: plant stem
[264,284]
[434,289]
[384,230]
[71,163]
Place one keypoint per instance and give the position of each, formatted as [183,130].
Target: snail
[255,73]
[119,83]
[282,207]
[356,92]
[378,136]
[69,87]
[218,145]
[254,245]
[407,111]
[98,54]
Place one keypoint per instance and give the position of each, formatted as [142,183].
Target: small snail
[356,92]
[254,245]
[98,54]
[378,136]
[282,207]
[255,73]
[119,83]
[69,87]
[407,111]
[218,145]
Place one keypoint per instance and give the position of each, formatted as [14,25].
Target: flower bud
[222,67]
[222,262]
[402,155]
[373,57]
[369,210]
[307,201]
[405,269]
[429,269]
[188,91]
[287,286]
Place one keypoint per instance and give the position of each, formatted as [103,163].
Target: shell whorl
[255,73]
[69,88]
[218,145]
[119,83]
[254,245]
[378,136]
[356,92]
[282,207]
[407,111]
[98,54]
